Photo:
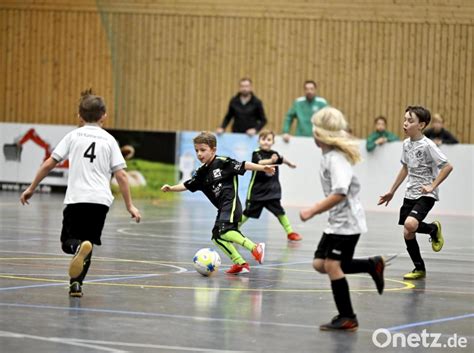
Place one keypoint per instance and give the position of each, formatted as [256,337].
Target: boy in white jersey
[346,216]
[426,167]
[93,156]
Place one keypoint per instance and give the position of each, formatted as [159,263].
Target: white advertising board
[25,146]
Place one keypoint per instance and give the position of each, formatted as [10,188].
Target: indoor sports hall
[167,70]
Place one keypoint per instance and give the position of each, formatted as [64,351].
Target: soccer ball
[206,261]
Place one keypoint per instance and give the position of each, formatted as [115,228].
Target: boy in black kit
[217,179]
[264,189]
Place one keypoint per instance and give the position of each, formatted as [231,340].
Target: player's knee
[318,265]
[408,235]
[411,225]
[331,266]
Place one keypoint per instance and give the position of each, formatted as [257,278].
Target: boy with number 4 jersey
[94,156]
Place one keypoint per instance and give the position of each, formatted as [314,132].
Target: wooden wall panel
[174,64]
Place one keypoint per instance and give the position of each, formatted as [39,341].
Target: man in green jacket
[380,135]
[302,110]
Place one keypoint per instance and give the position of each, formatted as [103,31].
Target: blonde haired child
[346,216]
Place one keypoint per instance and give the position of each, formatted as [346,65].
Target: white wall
[301,186]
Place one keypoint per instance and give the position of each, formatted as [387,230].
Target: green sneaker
[415,274]
[438,241]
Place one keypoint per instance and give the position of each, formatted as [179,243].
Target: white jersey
[93,156]
[423,160]
[337,177]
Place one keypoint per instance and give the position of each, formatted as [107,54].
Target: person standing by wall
[302,110]
[246,110]
[380,135]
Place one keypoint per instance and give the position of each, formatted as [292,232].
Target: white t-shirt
[93,156]
[337,177]
[423,160]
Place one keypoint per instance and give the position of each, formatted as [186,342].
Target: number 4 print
[90,152]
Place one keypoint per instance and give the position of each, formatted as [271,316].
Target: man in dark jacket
[246,110]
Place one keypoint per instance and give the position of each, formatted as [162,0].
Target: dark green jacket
[390,136]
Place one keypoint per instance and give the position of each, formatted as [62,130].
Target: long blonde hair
[329,127]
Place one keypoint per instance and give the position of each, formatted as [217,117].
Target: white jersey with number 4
[93,156]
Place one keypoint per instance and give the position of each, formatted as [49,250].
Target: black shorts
[83,221]
[222,228]
[417,209]
[254,208]
[337,247]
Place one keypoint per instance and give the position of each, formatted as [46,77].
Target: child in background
[426,167]
[265,189]
[438,134]
[217,179]
[94,156]
[380,135]
[346,216]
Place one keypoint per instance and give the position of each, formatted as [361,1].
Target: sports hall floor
[143,295]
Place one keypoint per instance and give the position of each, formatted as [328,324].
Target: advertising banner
[25,147]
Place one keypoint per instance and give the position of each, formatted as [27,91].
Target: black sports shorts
[83,221]
[254,208]
[337,247]
[417,209]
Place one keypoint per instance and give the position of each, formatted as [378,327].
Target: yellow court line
[104,259]
[141,286]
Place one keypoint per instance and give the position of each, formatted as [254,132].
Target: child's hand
[268,169]
[274,158]
[426,189]
[25,196]
[306,214]
[166,188]
[385,199]
[135,213]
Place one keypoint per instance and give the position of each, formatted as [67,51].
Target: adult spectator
[302,110]
[246,110]
[380,135]
[438,133]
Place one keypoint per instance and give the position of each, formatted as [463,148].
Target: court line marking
[430,322]
[59,340]
[97,344]
[170,316]
[227,289]
[407,285]
[63,282]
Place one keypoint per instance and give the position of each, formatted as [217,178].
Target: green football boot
[438,241]
[415,274]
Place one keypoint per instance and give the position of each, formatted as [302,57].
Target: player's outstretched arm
[173,188]
[269,169]
[385,198]
[322,206]
[122,180]
[43,171]
[288,163]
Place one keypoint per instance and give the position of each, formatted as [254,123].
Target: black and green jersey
[262,185]
[219,182]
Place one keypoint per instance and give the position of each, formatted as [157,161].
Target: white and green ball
[206,261]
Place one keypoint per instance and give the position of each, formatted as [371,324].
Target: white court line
[8,334]
[96,344]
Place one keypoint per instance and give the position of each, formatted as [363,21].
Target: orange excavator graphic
[12,151]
